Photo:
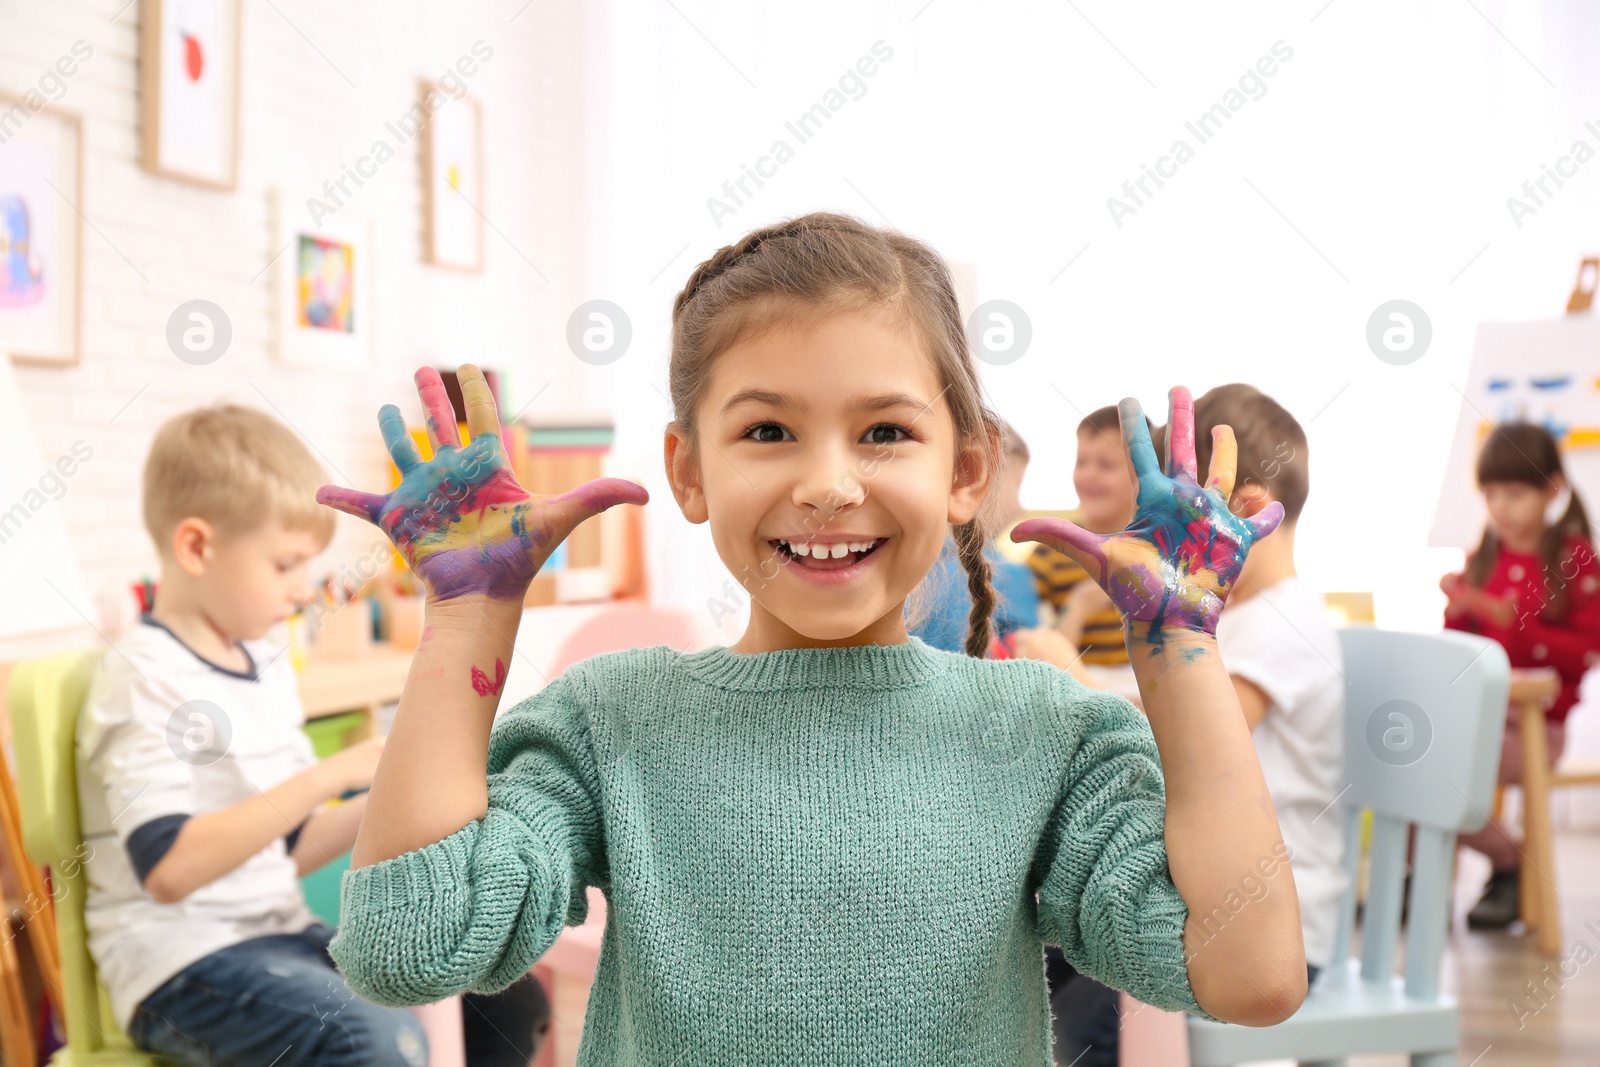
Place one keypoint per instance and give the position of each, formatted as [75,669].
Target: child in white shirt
[201,797]
[1286,665]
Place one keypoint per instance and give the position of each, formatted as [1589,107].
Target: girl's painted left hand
[1170,571]
[460,519]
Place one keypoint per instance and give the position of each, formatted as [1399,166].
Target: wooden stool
[1532,691]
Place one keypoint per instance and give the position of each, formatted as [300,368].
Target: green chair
[45,697]
[321,887]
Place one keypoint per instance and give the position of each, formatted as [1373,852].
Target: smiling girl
[828,843]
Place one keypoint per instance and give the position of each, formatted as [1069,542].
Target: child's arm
[476,539]
[473,851]
[209,846]
[327,835]
[1169,573]
[1572,645]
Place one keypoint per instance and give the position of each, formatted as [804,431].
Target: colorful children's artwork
[1545,372]
[453,190]
[22,281]
[39,232]
[325,284]
[190,103]
[324,295]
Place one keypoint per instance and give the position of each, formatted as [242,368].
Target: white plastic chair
[1424,717]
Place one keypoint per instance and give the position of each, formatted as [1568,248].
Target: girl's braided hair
[791,270]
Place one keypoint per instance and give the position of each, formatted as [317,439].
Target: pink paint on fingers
[603,493]
[436,406]
[351,501]
[1180,434]
[1060,530]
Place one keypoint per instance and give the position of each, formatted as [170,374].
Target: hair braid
[970,541]
[726,256]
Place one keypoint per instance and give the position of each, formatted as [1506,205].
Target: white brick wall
[155,243]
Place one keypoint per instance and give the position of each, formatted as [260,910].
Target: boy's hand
[1170,571]
[353,767]
[461,521]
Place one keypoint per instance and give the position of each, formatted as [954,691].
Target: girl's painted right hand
[1170,571]
[460,520]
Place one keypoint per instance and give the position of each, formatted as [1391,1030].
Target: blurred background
[1375,163]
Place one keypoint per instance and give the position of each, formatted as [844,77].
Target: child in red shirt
[1533,586]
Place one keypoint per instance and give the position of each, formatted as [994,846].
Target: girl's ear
[684,475]
[974,475]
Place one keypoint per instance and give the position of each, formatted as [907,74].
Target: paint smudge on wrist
[483,685]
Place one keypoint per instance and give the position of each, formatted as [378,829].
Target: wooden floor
[1503,1025]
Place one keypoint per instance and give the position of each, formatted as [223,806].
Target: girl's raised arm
[476,539]
[1169,574]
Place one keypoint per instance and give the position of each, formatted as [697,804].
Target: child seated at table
[1286,665]
[203,800]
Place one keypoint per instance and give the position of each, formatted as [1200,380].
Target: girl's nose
[830,480]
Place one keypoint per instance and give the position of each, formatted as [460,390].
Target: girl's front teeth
[834,551]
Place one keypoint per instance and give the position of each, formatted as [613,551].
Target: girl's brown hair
[1527,453]
[826,263]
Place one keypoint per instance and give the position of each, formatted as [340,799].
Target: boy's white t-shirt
[140,716]
[1280,640]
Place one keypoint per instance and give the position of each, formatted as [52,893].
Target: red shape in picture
[193,60]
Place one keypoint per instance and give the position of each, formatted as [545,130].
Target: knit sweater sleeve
[1106,895]
[475,909]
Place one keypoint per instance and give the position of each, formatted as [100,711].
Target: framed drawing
[452,167]
[323,298]
[189,90]
[41,245]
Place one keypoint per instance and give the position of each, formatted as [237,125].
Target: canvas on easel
[1546,372]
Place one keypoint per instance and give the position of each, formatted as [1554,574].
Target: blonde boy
[200,794]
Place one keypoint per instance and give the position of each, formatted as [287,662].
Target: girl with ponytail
[1533,585]
[829,843]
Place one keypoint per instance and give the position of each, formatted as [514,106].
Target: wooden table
[1532,691]
[361,683]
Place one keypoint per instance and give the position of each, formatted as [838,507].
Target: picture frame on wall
[41,233]
[452,168]
[323,295]
[189,90]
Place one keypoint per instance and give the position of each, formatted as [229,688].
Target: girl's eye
[763,426]
[890,426]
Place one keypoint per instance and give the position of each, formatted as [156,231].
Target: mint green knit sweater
[812,856]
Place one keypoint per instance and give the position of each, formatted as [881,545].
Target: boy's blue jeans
[279,999]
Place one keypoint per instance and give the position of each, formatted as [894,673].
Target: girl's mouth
[831,568]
